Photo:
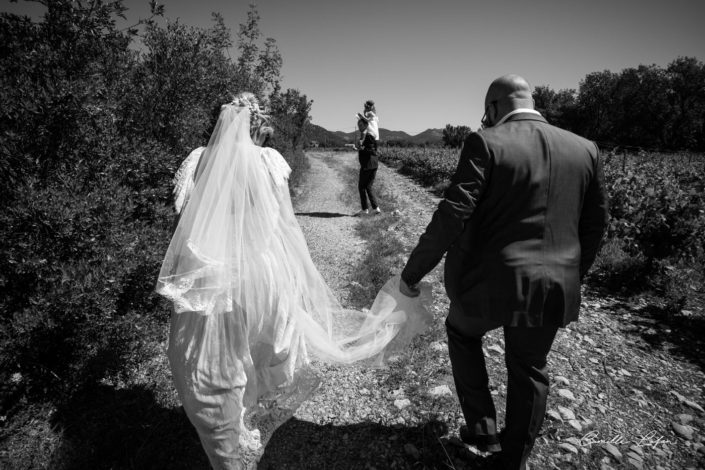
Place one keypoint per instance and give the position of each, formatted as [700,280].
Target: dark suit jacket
[368,153]
[521,224]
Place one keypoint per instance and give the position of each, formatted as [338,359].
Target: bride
[251,311]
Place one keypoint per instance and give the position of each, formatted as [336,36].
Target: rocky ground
[627,384]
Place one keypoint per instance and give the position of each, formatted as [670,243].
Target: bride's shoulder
[183,179]
[189,164]
[278,168]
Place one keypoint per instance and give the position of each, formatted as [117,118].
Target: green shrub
[73,261]
[617,270]
[657,207]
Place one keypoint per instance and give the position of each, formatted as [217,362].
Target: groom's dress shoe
[488,443]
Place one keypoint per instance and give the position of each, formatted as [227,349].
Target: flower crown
[252,104]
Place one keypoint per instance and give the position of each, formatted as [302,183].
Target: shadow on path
[685,333]
[304,445]
[108,428]
[323,215]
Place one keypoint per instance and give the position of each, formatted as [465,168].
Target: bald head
[509,88]
[507,93]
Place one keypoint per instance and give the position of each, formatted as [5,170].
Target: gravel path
[352,420]
[327,219]
[325,208]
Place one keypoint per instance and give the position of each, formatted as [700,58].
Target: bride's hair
[259,131]
[245,99]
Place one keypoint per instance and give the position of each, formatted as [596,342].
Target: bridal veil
[238,250]
[251,309]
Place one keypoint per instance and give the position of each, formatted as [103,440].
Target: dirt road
[325,213]
[358,418]
[327,203]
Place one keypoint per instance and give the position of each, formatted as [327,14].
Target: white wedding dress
[250,308]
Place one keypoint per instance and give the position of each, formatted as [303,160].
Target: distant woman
[368,124]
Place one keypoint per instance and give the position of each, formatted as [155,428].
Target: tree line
[648,107]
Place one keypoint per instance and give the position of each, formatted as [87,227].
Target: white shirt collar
[516,111]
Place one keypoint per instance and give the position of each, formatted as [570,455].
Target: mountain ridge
[326,138]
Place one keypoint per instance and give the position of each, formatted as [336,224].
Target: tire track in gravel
[351,420]
[325,213]
[327,220]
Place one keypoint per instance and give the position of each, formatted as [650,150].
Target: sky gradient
[428,63]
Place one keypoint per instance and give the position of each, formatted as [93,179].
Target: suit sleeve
[593,218]
[459,202]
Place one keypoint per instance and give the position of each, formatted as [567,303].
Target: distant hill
[430,136]
[326,138]
[346,136]
[385,135]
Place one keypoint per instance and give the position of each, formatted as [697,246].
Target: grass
[384,253]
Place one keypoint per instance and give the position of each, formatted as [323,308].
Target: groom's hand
[408,290]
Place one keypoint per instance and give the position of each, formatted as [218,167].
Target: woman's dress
[238,386]
[250,307]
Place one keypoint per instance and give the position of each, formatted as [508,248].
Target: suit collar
[525,116]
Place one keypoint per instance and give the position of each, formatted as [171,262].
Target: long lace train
[251,309]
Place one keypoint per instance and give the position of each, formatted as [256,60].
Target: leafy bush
[73,261]
[658,220]
[656,207]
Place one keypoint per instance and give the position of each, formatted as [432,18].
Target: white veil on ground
[238,250]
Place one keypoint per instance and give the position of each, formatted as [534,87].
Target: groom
[521,223]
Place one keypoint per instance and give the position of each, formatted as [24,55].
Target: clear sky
[427,63]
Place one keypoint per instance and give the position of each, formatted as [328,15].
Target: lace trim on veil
[184,179]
